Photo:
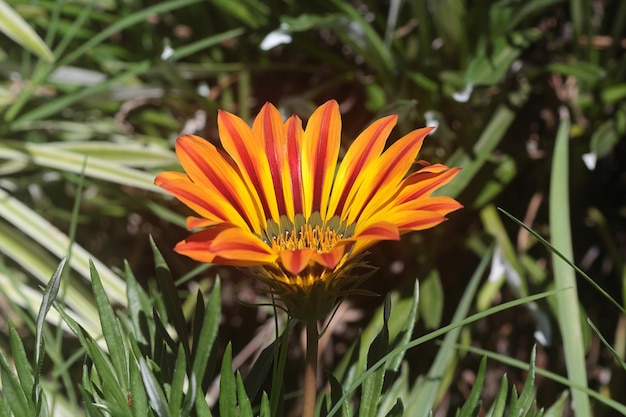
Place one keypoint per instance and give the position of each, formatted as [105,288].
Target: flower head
[276,199]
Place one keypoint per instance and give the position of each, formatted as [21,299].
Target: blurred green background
[107,86]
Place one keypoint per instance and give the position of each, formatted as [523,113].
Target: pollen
[321,239]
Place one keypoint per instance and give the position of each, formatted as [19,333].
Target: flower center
[302,234]
[322,239]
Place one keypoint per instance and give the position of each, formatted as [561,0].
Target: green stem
[310,372]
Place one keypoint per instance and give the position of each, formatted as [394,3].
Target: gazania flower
[276,199]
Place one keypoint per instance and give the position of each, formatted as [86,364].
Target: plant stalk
[310,372]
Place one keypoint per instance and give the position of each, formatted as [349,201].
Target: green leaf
[499,404]
[138,396]
[12,390]
[203,344]
[526,400]
[265,410]
[12,25]
[373,384]
[22,366]
[484,146]
[473,400]
[155,393]
[431,304]
[245,408]
[424,395]
[558,408]
[228,386]
[405,334]
[170,297]
[564,277]
[176,391]
[604,138]
[50,294]
[110,330]
[336,395]
[583,71]
[397,410]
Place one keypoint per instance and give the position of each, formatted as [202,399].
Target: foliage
[528,97]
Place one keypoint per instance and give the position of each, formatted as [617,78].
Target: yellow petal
[248,151]
[382,180]
[320,148]
[206,166]
[363,151]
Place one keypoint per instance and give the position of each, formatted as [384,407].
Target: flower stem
[310,372]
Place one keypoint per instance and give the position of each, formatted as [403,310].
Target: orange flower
[278,200]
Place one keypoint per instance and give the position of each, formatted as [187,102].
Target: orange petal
[210,205]
[330,259]
[320,149]
[441,205]
[199,222]
[248,151]
[269,125]
[295,261]
[416,219]
[208,167]
[425,181]
[241,245]
[365,149]
[381,181]
[293,182]
[377,231]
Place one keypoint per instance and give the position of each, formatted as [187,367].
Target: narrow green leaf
[228,386]
[65,101]
[11,389]
[558,408]
[502,118]
[12,25]
[176,391]
[245,408]
[426,394]
[606,344]
[499,404]
[202,408]
[373,384]
[203,345]
[50,294]
[265,406]
[434,334]
[170,297]
[34,225]
[526,400]
[110,330]
[407,328]
[138,397]
[397,410]
[155,393]
[600,398]
[336,395]
[22,366]
[567,301]
[556,252]
[431,305]
[473,400]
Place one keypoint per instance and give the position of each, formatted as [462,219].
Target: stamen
[322,239]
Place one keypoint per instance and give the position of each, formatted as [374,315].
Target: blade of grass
[568,311]
[35,226]
[432,335]
[426,394]
[555,251]
[615,405]
[12,25]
